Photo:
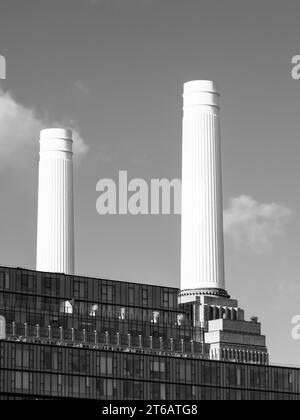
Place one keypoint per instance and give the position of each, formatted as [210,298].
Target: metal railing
[104,340]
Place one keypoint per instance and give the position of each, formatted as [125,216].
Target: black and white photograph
[150,203]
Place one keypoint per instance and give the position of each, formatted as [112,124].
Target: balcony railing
[104,340]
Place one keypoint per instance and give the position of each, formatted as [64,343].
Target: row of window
[37,304]
[82,288]
[94,363]
[56,385]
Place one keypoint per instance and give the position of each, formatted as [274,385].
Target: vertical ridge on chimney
[55,233]
[202,244]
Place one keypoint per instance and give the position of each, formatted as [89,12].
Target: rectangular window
[31,284]
[22,357]
[79,289]
[82,385]
[26,381]
[144,297]
[75,387]
[47,362]
[107,293]
[167,298]
[133,390]
[181,371]
[18,380]
[47,383]
[109,387]
[47,284]
[18,357]
[7,280]
[106,364]
[22,381]
[104,388]
[131,295]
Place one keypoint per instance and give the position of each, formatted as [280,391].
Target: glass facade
[78,337]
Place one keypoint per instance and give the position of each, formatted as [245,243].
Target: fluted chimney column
[202,248]
[55,233]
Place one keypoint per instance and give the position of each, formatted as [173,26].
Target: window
[132,366]
[31,284]
[22,357]
[47,284]
[155,391]
[79,289]
[66,307]
[94,309]
[105,364]
[47,359]
[18,380]
[144,297]
[158,369]
[47,383]
[107,293]
[7,280]
[105,387]
[23,381]
[51,359]
[131,295]
[79,361]
[21,282]
[133,390]
[185,371]
[166,299]
[109,387]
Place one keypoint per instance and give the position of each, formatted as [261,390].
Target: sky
[113,71]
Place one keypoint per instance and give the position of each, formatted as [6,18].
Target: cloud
[255,225]
[80,147]
[19,133]
[81,87]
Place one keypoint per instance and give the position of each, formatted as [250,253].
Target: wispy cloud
[81,87]
[80,147]
[253,224]
[19,132]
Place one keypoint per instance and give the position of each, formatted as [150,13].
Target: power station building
[68,336]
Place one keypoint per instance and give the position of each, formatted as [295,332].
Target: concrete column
[202,249]
[55,232]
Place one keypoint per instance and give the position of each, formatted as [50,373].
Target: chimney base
[190,295]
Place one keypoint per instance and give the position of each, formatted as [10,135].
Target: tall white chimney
[202,247]
[55,232]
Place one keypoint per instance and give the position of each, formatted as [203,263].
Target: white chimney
[55,232]
[202,248]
